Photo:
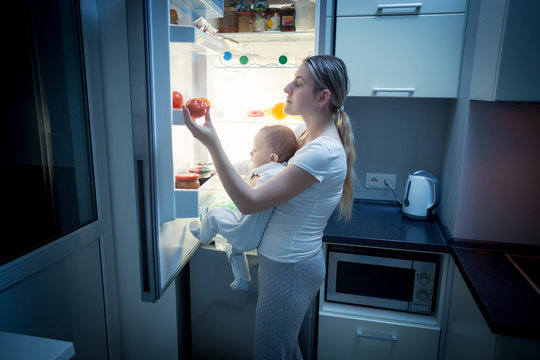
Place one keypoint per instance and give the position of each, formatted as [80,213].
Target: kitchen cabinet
[401,50]
[507,52]
[349,338]
[469,337]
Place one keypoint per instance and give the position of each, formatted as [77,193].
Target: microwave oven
[389,279]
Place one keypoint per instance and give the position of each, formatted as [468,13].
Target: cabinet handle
[381,7]
[409,90]
[390,337]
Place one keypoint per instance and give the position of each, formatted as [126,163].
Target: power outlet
[380,181]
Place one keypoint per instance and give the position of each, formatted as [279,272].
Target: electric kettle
[422,195]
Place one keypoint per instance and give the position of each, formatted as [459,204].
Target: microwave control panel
[425,275]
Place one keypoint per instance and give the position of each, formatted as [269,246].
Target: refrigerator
[189,58]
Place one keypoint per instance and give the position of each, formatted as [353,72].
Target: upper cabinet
[506,65]
[395,48]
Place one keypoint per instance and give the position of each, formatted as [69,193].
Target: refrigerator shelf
[270,36]
[187,38]
[178,119]
[190,203]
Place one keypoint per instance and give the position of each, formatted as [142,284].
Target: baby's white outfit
[243,232]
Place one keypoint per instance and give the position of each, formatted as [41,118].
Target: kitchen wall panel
[499,191]
[396,136]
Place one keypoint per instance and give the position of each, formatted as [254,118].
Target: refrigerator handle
[143,230]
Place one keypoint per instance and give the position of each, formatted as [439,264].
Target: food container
[229,22]
[287,18]
[173,17]
[186,181]
[204,173]
[259,20]
[273,19]
[245,21]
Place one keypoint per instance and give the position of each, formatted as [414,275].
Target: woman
[318,177]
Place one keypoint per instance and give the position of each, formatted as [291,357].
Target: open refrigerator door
[243,76]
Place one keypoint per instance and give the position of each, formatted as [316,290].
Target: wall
[396,136]
[499,194]
[490,163]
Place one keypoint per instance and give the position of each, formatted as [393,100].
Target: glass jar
[273,19]
[287,18]
[229,22]
[186,181]
[259,19]
[173,17]
[245,21]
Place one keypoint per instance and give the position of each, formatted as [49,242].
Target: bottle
[273,19]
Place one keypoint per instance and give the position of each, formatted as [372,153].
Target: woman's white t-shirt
[295,230]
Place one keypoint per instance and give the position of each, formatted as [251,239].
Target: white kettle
[422,195]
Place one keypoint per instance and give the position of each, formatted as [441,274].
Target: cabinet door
[392,7]
[345,338]
[415,56]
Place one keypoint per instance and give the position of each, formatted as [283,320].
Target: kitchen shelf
[197,8]
[270,36]
[192,203]
[187,38]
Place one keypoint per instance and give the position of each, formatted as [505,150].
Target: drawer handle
[381,7]
[390,337]
[409,90]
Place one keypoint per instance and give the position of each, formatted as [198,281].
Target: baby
[273,146]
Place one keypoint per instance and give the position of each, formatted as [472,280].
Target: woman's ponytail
[330,72]
[347,139]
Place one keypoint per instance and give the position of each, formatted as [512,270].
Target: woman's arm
[277,190]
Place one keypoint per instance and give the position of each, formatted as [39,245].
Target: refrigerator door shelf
[196,8]
[193,203]
[186,38]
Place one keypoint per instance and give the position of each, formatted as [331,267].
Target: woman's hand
[205,133]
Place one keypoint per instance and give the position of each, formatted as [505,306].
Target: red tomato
[177,100]
[196,107]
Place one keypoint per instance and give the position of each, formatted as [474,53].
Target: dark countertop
[381,224]
[509,304]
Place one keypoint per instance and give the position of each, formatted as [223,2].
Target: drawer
[413,55]
[345,338]
[393,7]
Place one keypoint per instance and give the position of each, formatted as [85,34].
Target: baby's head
[273,143]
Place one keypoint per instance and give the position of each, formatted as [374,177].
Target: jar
[203,172]
[273,19]
[245,21]
[229,22]
[173,17]
[186,181]
[287,18]
[259,19]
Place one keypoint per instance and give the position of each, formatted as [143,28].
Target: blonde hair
[281,140]
[330,73]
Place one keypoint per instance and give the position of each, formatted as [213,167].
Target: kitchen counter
[509,304]
[381,224]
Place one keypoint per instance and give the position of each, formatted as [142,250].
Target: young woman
[318,178]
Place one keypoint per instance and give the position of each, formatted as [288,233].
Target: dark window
[46,150]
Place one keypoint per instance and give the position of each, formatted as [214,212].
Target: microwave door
[165,245]
[370,280]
